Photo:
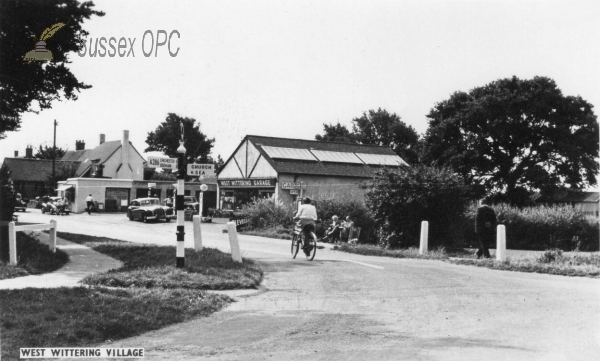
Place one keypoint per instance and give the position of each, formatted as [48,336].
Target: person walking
[89,200]
[485,227]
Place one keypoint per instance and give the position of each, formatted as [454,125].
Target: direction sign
[201,170]
[164,163]
[292,185]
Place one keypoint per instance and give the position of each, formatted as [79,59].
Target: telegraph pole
[54,154]
[179,206]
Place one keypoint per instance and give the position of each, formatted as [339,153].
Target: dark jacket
[485,222]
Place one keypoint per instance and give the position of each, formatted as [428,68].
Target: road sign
[204,188]
[164,163]
[201,170]
[151,185]
[292,185]
[294,191]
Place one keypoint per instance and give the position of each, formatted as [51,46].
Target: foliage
[541,227]
[24,85]
[62,172]
[33,257]
[377,128]
[370,250]
[401,199]
[268,212]
[46,152]
[515,136]
[166,138]
[342,207]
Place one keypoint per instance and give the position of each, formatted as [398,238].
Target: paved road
[349,307]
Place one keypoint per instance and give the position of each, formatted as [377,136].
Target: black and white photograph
[299,180]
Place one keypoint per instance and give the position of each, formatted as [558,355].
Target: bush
[541,227]
[333,205]
[268,212]
[401,199]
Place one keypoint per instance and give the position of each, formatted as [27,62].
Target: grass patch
[33,257]
[551,262]
[269,232]
[82,317]
[150,266]
[370,250]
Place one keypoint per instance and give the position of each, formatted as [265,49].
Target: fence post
[233,241]
[501,243]
[12,243]
[52,238]
[424,237]
[197,234]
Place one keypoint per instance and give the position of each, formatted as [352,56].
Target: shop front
[234,193]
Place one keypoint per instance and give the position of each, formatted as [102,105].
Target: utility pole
[179,206]
[54,155]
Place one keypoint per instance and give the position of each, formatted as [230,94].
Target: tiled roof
[319,168]
[30,169]
[100,154]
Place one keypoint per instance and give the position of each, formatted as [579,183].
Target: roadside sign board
[294,191]
[164,163]
[201,170]
[292,185]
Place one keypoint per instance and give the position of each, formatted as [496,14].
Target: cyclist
[306,217]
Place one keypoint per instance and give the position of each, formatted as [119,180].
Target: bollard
[424,236]
[197,234]
[233,241]
[501,243]
[52,238]
[12,243]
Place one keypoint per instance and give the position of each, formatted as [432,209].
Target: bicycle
[298,240]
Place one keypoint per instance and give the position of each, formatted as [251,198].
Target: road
[349,307]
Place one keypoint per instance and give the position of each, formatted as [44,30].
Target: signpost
[203,189]
[201,170]
[161,162]
[180,250]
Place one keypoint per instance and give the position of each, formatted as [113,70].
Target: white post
[424,236]
[201,203]
[52,238]
[197,234]
[501,243]
[12,243]
[233,241]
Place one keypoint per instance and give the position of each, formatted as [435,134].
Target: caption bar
[81,352]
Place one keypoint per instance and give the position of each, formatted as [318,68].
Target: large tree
[515,136]
[167,135]
[33,86]
[46,152]
[379,128]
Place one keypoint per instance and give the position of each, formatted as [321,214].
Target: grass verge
[157,294]
[272,232]
[33,257]
[151,266]
[551,262]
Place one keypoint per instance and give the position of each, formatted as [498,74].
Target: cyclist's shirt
[307,214]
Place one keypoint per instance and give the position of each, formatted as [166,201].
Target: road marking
[364,264]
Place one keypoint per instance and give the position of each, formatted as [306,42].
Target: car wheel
[168,220]
[130,217]
[144,219]
[43,211]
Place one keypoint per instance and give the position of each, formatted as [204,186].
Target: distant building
[588,201]
[287,168]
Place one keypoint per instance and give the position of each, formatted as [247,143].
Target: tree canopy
[167,135]
[33,86]
[515,136]
[46,152]
[378,128]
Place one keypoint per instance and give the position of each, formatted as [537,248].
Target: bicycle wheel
[313,248]
[295,245]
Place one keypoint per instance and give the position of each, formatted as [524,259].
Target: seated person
[306,217]
[347,226]
[332,234]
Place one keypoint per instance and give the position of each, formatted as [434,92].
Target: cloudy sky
[283,68]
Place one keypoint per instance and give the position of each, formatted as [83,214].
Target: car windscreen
[149,202]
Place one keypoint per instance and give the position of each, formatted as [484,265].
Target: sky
[284,68]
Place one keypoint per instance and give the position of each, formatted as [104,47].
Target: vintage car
[20,204]
[190,202]
[146,209]
[50,206]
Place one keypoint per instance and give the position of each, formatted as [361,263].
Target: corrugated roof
[30,169]
[319,168]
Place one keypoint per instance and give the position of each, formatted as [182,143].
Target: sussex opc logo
[39,52]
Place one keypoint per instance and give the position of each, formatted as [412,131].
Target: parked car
[146,209]
[50,206]
[190,202]
[21,204]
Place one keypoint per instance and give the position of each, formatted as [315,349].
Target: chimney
[102,138]
[16,153]
[79,145]
[125,151]
[29,152]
